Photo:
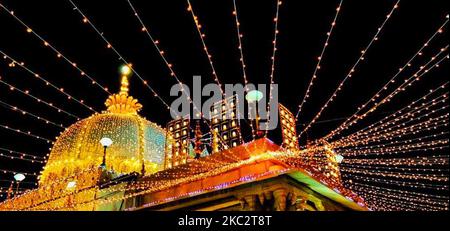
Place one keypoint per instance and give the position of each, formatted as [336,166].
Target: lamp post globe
[19,177]
[254,96]
[105,142]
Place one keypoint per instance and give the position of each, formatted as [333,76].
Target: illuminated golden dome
[136,141]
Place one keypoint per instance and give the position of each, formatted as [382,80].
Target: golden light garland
[414,184]
[23,112]
[202,36]
[409,81]
[389,204]
[27,93]
[58,53]
[400,131]
[241,55]
[346,124]
[405,112]
[47,83]
[383,129]
[408,161]
[110,46]
[27,133]
[319,60]
[352,70]
[21,154]
[272,58]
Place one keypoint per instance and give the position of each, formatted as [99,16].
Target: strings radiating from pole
[110,46]
[27,113]
[202,36]
[47,83]
[406,112]
[355,117]
[351,71]
[28,94]
[172,72]
[319,60]
[273,60]
[58,53]
[241,55]
[26,133]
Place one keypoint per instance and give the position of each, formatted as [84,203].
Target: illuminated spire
[125,70]
[121,103]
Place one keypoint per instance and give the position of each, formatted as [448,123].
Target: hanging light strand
[21,158]
[355,117]
[162,54]
[386,127]
[396,142]
[23,112]
[47,83]
[427,125]
[351,72]
[390,182]
[202,36]
[425,161]
[58,53]
[241,54]
[27,93]
[319,60]
[404,112]
[406,192]
[22,154]
[27,133]
[273,60]
[5,171]
[110,46]
[407,83]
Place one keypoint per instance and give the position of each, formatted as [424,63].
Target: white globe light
[254,96]
[339,158]
[71,185]
[106,142]
[19,177]
[125,70]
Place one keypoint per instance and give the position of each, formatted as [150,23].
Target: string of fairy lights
[319,60]
[27,93]
[405,112]
[351,71]
[355,116]
[408,82]
[170,66]
[27,113]
[14,155]
[381,132]
[241,55]
[202,37]
[273,59]
[390,163]
[58,53]
[47,83]
[145,82]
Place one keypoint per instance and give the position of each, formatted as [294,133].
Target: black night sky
[302,25]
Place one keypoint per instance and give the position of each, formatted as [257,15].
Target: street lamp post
[254,96]
[105,142]
[18,177]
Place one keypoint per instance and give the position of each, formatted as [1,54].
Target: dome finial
[125,70]
[121,102]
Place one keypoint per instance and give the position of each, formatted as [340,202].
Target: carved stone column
[280,196]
